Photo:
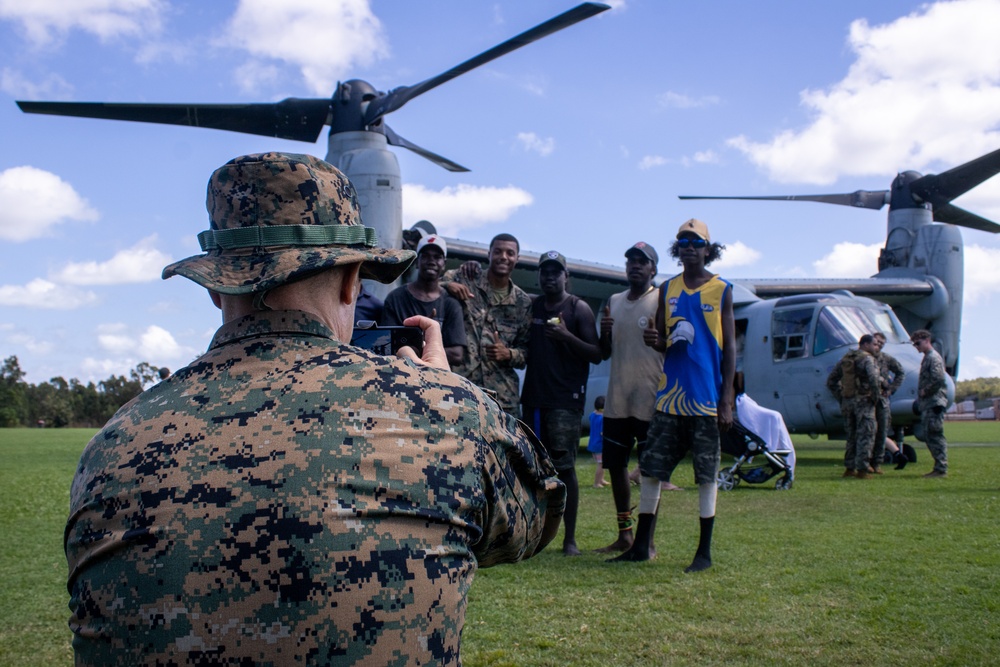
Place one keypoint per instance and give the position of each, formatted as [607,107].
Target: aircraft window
[838,326]
[889,326]
[789,332]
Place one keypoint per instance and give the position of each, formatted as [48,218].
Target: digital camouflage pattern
[275,217]
[932,390]
[858,410]
[511,319]
[288,499]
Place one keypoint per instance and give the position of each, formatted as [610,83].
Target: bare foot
[623,543]
[570,549]
[667,486]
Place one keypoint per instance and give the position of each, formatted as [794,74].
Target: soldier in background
[932,399]
[855,382]
[890,378]
[287,498]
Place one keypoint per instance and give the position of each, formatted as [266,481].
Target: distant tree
[13,394]
[50,401]
[978,388]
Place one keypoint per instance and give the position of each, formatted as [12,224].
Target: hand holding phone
[387,340]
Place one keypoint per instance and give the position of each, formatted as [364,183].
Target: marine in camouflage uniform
[932,400]
[286,498]
[491,313]
[858,410]
[891,375]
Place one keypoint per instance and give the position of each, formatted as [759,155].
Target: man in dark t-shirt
[561,346]
[424,296]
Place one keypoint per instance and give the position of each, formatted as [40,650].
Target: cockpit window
[838,326]
[790,333]
[890,327]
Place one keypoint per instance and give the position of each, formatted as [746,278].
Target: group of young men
[672,357]
[864,381]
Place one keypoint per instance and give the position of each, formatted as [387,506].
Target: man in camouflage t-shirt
[287,498]
[497,321]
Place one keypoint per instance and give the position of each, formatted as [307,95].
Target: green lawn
[897,570]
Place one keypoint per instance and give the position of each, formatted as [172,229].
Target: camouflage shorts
[670,439]
[559,432]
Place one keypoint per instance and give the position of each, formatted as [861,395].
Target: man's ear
[216,299]
[350,284]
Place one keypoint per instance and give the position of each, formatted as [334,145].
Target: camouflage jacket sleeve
[519,350]
[525,498]
[932,387]
[868,373]
[889,365]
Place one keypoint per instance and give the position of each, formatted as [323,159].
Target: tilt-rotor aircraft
[791,332]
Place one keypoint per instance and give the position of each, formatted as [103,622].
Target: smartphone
[386,340]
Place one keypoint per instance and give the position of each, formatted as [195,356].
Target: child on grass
[595,443]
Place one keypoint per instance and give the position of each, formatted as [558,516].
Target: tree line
[59,403]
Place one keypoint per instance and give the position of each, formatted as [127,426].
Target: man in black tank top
[561,346]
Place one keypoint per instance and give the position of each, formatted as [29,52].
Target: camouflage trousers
[883,420]
[859,422]
[670,439]
[932,419]
[559,432]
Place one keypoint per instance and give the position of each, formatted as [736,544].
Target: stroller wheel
[783,484]
[726,481]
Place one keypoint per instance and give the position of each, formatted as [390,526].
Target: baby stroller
[745,446]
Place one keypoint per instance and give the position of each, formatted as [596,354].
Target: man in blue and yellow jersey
[694,400]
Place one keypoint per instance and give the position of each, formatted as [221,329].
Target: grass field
[897,570]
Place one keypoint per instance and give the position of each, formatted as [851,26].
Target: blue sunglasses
[691,243]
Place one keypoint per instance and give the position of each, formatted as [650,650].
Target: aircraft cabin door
[797,376]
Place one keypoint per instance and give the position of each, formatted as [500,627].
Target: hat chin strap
[258,301]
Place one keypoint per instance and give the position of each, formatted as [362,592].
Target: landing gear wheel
[726,481]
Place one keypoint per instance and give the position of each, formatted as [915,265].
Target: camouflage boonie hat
[277,217]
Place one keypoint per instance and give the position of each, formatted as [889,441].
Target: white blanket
[768,424]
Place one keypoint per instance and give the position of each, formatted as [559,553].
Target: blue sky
[580,142]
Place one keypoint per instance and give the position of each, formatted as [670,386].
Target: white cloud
[911,99]
[672,100]
[706,157]
[140,263]
[30,343]
[736,254]
[530,141]
[44,21]
[325,40]
[21,216]
[849,260]
[154,345]
[650,161]
[52,87]
[41,293]
[982,273]
[462,207]
[979,367]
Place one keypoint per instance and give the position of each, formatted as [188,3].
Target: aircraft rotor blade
[860,198]
[396,140]
[292,118]
[940,189]
[397,97]
[953,215]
